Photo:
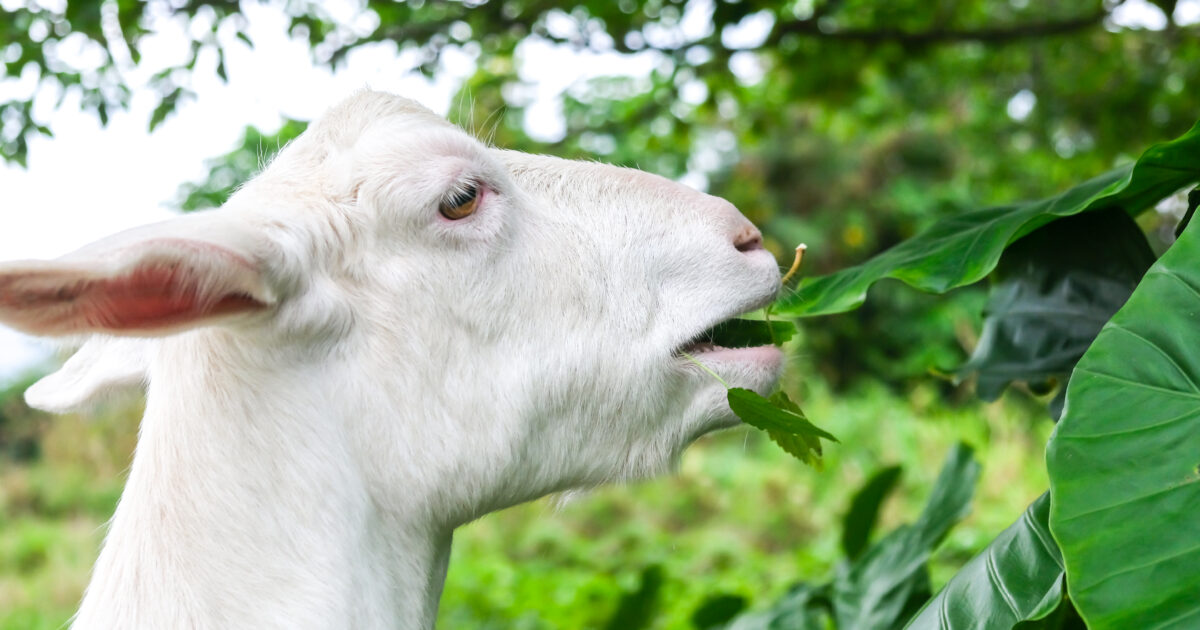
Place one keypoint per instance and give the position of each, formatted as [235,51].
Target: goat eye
[461,204]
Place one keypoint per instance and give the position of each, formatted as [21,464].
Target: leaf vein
[1146,427]
[1118,504]
[1163,353]
[1156,561]
[998,584]
[1137,384]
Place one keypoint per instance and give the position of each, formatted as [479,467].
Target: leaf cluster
[1106,545]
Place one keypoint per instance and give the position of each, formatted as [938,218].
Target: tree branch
[992,35]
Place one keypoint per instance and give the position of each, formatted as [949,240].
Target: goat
[389,332]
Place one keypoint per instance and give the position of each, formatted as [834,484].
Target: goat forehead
[600,184]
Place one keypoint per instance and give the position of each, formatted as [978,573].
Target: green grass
[740,516]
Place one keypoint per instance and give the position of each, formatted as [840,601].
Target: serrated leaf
[783,421]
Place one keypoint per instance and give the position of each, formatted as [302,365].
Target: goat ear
[101,368]
[147,282]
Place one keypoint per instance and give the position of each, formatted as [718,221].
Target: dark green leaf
[1193,200]
[890,581]
[1017,578]
[864,510]
[1054,290]
[783,421]
[962,249]
[803,607]
[1124,461]
[745,333]
[717,610]
[637,609]
[165,106]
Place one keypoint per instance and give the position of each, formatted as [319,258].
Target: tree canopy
[846,123]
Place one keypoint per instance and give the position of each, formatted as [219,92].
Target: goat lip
[720,354]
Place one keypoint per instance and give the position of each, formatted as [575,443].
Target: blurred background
[849,125]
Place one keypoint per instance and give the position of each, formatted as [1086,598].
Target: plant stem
[705,368]
[795,263]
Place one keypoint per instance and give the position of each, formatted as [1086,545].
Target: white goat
[391,331]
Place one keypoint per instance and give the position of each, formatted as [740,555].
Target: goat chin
[392,330]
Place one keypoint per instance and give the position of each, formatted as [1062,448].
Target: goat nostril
[748,242]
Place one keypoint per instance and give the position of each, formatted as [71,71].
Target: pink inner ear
[156,298]
[181,285]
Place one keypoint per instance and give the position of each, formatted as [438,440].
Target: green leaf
[1123,461]
[864,510]
[717,610]
[962,249]
[1017,578]
[165,106]
[783,421]
[1193,201]
[637,608]
[745,333]
[803,607]
[1054,290]
[891,580]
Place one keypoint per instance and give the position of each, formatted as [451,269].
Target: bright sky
[88,182]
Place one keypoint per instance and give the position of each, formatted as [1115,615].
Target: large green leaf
[1123,462]
[962,249]
[1053,291]
[1017,578]
[864,510]
[891,580]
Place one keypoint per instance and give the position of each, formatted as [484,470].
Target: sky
[90,181]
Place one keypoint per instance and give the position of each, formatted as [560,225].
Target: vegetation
[740,518]
[883,134]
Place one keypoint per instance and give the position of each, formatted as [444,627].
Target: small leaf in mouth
[783,421]
[747,333]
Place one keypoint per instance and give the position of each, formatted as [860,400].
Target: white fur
[304,461]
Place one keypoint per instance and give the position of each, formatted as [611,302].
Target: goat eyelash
[462,201]
[462,193]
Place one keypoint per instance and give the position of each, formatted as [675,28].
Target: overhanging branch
[990,35]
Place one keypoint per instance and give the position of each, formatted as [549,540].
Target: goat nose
[748,239]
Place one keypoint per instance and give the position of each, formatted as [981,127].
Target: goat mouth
[733,334]
[728,336]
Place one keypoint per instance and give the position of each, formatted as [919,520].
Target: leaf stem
[705,368]
[795,263]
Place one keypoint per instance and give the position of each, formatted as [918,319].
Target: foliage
[881,587]
[1052,291]
[1018,578]
[20,427]
[850,125]
[740,517]
[227,172]
[1123,464]
[847,124]
[964,248]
